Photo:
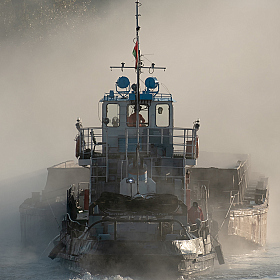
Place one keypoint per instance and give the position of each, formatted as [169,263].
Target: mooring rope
[226,215]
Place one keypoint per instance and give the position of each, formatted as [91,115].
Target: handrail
[181,140]
[116,220]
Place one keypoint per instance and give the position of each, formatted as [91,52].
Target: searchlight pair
[124,83]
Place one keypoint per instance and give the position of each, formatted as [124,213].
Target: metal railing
[161,236]
[176,142]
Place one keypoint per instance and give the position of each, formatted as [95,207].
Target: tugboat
[133,215]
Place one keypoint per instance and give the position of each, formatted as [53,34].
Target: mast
[138,66]
[137,99]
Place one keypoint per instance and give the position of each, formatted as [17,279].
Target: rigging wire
[166,88]
[53,215]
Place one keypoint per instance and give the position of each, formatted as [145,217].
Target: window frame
[157,106]
[110,124]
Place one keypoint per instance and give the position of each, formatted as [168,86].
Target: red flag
[135,54]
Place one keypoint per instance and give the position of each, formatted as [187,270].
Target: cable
[54,215]
[226,215]
[48,245]
[165,87]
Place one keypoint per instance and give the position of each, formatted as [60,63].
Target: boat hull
[249,224]
[178,257]
[243,230]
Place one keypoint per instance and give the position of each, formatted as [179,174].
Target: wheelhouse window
[113,115]
[143,116]
[162,115]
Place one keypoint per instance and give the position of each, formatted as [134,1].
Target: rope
[54,215]
[226,215]
[48,245]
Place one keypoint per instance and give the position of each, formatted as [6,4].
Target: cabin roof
[220,160]
[66,164]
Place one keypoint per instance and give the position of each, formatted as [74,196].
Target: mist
[222,60]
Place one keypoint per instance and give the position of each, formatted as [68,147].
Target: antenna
[138,65]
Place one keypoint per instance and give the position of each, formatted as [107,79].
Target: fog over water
[222,60]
